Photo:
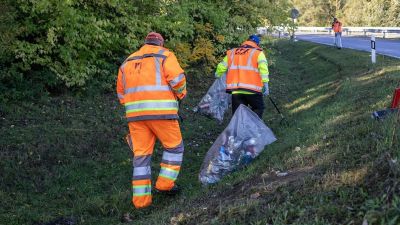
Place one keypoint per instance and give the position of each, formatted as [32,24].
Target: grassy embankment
[65,157]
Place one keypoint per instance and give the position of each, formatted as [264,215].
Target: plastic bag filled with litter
[216,102]
[242,140]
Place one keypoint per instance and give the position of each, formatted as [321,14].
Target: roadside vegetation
[373,13]
[64,157]
[55,47]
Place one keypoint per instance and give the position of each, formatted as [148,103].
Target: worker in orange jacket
[247,75]
[337,28]
[150,84]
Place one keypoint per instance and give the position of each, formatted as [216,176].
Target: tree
[79,44]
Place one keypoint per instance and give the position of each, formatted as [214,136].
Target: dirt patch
[258,187]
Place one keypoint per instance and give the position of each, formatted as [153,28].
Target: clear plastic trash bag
[242,140]
[216,101]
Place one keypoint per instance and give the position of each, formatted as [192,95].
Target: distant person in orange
[150,84]
[337,28]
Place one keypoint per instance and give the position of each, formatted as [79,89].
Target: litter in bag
[242,140]
[216,102]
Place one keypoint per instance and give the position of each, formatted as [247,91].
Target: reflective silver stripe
[147,88]
[176,80]
[169,173]
[140,171]
[141,190]
[264,76]
[232,55]
[250,68]
[158,67]
[244,86]
[152,105]
[172,157]
[263,61]
[120,96]
[250,57]
[224,63]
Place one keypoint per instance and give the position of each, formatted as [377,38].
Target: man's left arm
[264,72]
[175,76]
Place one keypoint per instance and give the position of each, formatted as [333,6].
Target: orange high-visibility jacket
[149,83]
[337,26]
[243,71]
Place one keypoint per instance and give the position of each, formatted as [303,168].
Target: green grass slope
[64,158]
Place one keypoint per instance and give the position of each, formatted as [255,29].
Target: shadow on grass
[328,99]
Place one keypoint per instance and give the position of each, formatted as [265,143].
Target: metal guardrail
[384,31]
[350,30]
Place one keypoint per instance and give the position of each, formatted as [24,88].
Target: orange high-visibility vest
[243,71]
[337,27]
[149,83]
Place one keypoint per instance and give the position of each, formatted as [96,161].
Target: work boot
[174,190]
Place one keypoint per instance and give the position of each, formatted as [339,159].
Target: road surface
[383,46]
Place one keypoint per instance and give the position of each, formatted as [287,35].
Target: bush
[53,46]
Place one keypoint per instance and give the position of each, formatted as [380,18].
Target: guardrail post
[365,32]
[384,33]
[373,46]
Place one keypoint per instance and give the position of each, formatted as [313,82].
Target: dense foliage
[53,46]
[350,12]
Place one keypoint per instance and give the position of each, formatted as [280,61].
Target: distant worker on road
[150,84]
[337,28]
[246,69]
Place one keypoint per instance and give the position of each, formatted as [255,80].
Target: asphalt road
[383,46]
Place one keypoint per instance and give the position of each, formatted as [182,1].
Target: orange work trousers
[143,135]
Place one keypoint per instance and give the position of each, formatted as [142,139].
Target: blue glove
[265,89]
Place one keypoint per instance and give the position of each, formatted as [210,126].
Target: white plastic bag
[216,101]
[242,140]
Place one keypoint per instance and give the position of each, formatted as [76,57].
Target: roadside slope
[64,158]
[345,168]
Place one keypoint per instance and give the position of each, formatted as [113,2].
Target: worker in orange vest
[150,84]
[337,28]
[246,70]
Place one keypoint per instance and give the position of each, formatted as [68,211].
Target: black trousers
[254,102]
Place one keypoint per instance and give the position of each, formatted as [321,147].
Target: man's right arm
[222,67]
